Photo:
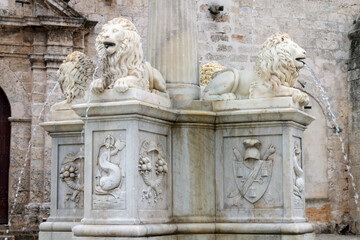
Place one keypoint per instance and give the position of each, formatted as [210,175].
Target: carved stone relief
[298,176]
[153,169]
[69,174]
[251,171]
[109,174]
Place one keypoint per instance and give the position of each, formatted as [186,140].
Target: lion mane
[274,63]
[127,59]
[75,75]
[207,70]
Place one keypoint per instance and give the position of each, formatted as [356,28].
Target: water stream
[18,80]
[26,159]
[334,120]
[98,65]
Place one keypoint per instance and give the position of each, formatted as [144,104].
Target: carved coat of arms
[252,172]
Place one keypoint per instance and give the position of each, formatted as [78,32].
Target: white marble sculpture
[299,182]
[152,153]
[207,70]
[277,67]
[69,173]
[74,76]
[118,46]
[109,172]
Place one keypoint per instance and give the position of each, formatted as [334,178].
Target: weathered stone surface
[315,25]
[354,119]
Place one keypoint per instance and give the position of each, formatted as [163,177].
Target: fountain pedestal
[153,172]
[259,169]
[67,199]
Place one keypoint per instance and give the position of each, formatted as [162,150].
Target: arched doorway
[4,155]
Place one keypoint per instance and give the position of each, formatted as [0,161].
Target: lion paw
[228,96]
[97,86]
[300,97]
[120,86]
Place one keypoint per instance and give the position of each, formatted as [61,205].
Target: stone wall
[233,38]
[354,117]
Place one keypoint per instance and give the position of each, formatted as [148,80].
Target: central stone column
[173,46]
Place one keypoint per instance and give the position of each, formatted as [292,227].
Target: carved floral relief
[70,175]
[153,169]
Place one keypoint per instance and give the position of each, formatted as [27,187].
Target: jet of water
[17,78]
[337,131]
[26,159]
[98,65]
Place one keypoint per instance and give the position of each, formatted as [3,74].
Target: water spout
[337,129]
[98,65]
[26,159]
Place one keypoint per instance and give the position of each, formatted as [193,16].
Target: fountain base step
[197,231]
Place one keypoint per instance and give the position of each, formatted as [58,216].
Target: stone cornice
[48,22]
[62,8]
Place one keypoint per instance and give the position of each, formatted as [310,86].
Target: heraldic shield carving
[252,172]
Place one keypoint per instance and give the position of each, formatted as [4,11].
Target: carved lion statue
[277,67]
[119,48]
[75,75]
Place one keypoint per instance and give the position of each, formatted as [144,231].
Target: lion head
[279,61]
[75,75]
[119,46]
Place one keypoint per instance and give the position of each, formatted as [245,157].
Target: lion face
[115,37]
[112,39]
[297,54]
[119,47]
[280,60]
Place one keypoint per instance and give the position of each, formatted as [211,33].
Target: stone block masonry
[354,117]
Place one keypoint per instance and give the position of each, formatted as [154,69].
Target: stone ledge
[191,228]
[47,21]
[63,126]
[227,111]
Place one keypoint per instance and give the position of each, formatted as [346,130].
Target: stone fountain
[136,156]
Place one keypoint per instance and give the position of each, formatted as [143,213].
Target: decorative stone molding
[46,21]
